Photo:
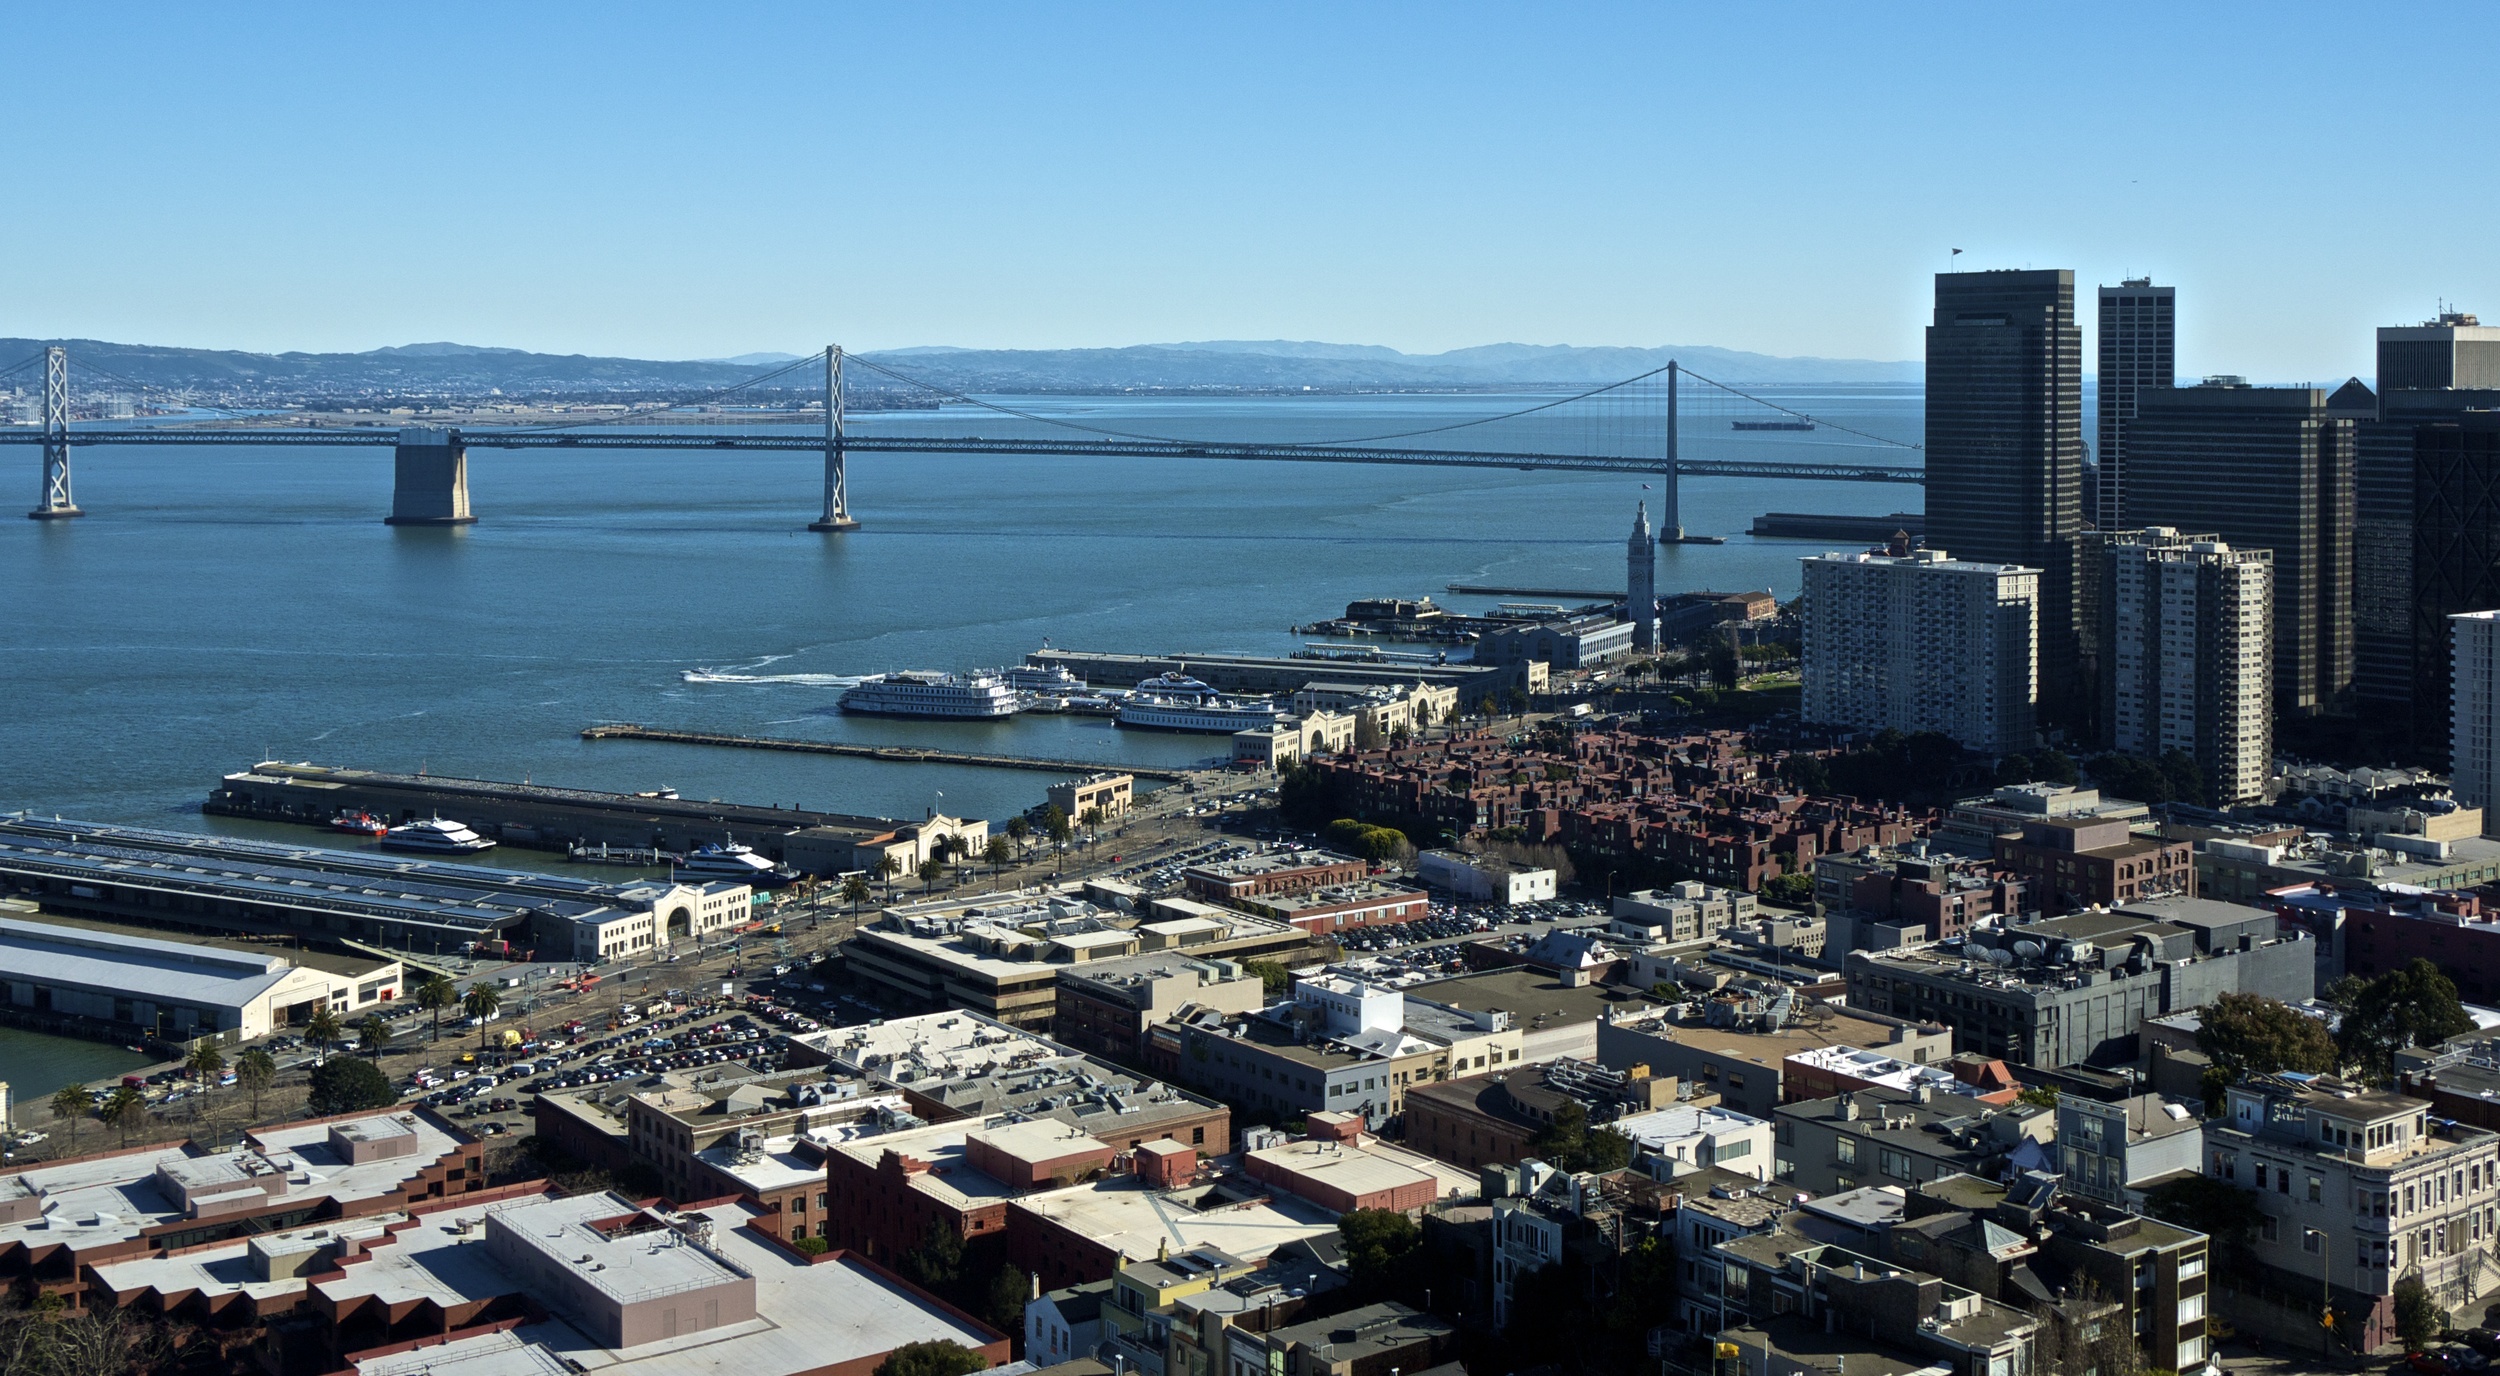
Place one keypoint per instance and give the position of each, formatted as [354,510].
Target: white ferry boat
[1177,702]
[981,697]
[436,836]
[731,861]
[1054,681]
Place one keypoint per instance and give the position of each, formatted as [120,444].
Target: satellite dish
[1998,955]
[2028,949]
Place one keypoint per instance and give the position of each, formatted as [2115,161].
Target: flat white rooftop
[1140,1223]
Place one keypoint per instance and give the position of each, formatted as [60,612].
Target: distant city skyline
[668,185]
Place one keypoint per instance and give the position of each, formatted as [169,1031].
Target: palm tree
[205,1061]
[435,995]
[1093,828]
[855,892]
[1019,830]
[375,1032]
[69,1104]
[481,1003]
[931,870]
[997,852]
[1055,823]
[125,1108]
[255,1070]
[887,868]
[324,1028]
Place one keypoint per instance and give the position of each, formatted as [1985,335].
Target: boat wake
[805,680]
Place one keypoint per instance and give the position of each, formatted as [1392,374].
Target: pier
[1266,674]
[1578,594]
[897,754]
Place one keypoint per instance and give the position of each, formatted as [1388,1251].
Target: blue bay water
[221,606]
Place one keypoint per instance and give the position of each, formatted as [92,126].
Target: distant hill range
[1219,365]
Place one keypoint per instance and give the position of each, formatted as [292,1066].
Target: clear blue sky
[699,180]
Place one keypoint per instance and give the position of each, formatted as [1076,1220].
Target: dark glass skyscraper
[2264,468]
[2139,349]
[2005,449]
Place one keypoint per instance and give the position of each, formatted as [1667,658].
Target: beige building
[1294,738]
[1385,709]
[1110,792]
[133,982]
[841,850]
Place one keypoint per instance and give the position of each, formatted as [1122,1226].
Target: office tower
[1920,641]
[2186,655]
[2139,350]
[2262,468]
[1640,582]
[2416,533]
[2005,449]
[2474,728]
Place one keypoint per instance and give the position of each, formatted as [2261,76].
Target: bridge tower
[837,515]
[1670,507]
[55,503]
[429,479]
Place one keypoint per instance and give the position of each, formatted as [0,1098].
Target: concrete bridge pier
[837,517]
[55,503]
[429,479]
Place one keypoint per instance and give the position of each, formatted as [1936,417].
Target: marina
[897,754]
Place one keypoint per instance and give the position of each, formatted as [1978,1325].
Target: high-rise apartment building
[2474,730]
[1640,582]
[2186,655]
[2422,540]
[2262,468]
[1920,641]
[2005,447]
[2139,350]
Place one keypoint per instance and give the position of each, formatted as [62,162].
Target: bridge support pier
[1670,504]
[429,480]
[837,517]
[53,503]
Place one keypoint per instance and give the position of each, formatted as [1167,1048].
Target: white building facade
[2188,659]
[1915,640]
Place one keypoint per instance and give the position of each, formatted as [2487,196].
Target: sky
[705,180]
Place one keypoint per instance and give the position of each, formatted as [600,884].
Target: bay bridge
[1631,426]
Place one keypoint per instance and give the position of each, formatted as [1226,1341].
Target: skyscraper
[2139,350]
[2005,449]
[2185,655]
[2422,529]
[2474,730]
[2262,468]
[1916,640]
[1640,582]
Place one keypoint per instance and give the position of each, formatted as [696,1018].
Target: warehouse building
[101,981]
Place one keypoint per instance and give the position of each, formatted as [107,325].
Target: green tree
[125,1108]
[998,852]
[887,868]
[1004,1306]
[2250,1034]
[1055,826]
[2413,1006]
[254,1071]
[2132,777]
[1567,1142]
[205,1061]
[933,1357]
[2038,1096]
[323,1028]
[1790,890]
[434,995]
[931,871]
[2418,1318]
[1019,831]
[69,1104]
[481,1003]
[1274,979]
[350,1084]
[855,892]
[373,1032]
[938,1262]
[2224,1212]
[1377,1245]
[2187,782]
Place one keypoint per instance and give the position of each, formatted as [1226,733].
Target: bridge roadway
[809,442]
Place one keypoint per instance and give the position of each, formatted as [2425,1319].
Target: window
[2267,1229]
[1845,1150]
[2317,1190]
[2192,1265]
[1896,1164]
[2310,1238]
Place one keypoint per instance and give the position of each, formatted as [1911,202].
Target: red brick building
[2072,863]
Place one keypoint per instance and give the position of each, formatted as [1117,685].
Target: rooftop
[1124,1214]
[1535,999]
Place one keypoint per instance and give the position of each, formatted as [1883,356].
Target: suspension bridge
[1631,426]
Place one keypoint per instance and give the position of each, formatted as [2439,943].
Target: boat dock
[897,754]
[1577,594]
[1265,674]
